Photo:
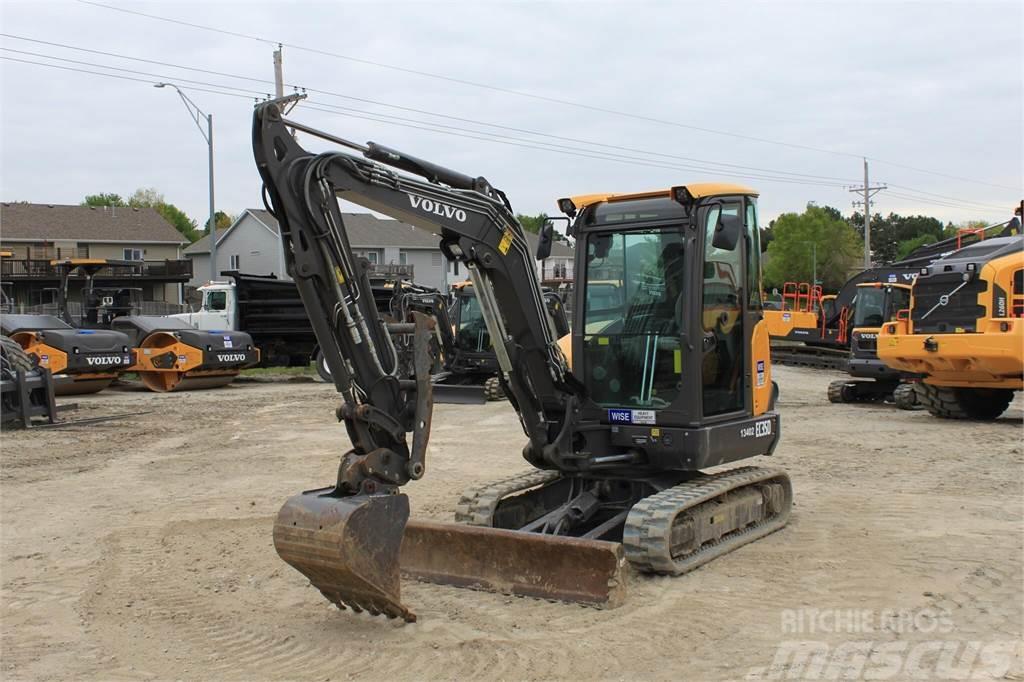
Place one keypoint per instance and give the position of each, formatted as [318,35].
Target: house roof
[367,231]
[52,222]
[203,245]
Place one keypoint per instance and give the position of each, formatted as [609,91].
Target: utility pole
[278,73]
[867,191]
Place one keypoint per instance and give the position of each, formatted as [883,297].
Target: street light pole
[196,113]
[213,215]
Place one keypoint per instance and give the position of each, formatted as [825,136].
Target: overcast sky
[932,85]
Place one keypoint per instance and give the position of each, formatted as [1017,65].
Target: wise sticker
[786,317]
[182,358]
[228,342]
[760,373]
[632,416]
[506,242]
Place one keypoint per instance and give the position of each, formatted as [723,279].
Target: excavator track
[476,507]
[657,524]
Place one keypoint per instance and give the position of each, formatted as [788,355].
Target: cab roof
[698,190]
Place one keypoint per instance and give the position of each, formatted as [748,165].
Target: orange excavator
[671,375]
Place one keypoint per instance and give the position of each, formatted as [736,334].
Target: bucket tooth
[348,547]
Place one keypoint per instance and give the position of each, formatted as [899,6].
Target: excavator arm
[346,539]
[475,225]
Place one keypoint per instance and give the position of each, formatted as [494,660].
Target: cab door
[730,304]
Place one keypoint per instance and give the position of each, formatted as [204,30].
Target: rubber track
[477,505]
[835,391]
[493,389]
[813,358]
[648,529]
[906,396]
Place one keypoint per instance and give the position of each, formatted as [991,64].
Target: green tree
[223,221]
[149,197]
[797,238]
[532,223]
[103,200]
[889,232]
[905,248]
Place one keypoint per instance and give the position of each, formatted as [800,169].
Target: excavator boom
[347,539]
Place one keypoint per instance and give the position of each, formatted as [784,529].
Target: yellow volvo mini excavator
[670,375]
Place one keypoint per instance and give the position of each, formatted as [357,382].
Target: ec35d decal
[760,429]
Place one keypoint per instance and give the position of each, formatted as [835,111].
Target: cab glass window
[216,300]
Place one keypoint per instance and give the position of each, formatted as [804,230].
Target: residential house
[33,235]
[252,245]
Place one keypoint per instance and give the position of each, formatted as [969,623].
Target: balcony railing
[170,270]
[391,270]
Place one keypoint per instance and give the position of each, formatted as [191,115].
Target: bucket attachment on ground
[552,567]
[459,394]
[348,547]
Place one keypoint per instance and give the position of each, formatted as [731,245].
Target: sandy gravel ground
[141,548]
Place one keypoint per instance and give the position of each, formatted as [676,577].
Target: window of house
[371,256]
[234,261]
[133,254]
[403,258]
[435,259]
[82,251]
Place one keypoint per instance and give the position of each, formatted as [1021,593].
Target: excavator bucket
[348,547]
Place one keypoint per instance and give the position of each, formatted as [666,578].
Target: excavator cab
[670,375]
[651,351]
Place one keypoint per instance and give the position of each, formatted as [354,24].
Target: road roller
[92,358]
[170,355]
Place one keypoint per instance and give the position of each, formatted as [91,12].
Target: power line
[942,196]
[333,109]
[520,93]
[462,81]
[114,75]
[429,127]
[436,114]
[142,73]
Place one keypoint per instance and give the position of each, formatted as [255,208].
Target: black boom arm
[475,225]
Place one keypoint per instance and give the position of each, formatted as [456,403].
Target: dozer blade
[459,394]
[559,568]
[348,547]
